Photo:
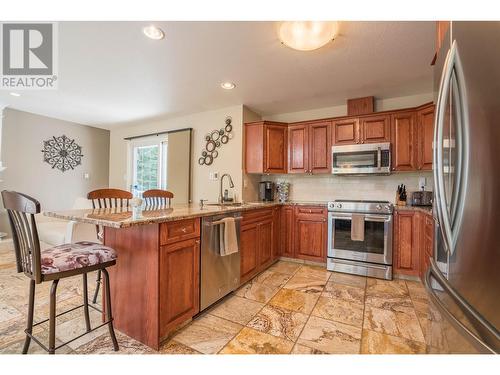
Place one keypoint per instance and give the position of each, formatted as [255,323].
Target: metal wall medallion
[215,140]
[62,153]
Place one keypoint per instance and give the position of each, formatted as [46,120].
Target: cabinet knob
[183,230]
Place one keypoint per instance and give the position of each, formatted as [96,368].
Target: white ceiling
[110,73]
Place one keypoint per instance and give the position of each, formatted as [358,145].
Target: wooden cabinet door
[265,238]
[310,239]
[320,147]
[275,149]
[403,141]
[276,232]
[425,137]
[406,243]
[345,132]
[249,243]
[179,283]
[310,230]
[286,232]
[375,129]
[298,149]
[427,244]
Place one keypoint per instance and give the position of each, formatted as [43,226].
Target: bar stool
[54,264]
[157,197]
[107,198]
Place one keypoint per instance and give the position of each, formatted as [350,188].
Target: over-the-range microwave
[360,159]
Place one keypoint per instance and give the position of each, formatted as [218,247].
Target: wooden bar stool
[157,197]
[54,264]
[107,198]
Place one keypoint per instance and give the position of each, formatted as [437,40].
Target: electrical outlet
[214,176]
[422,181]
[86,176]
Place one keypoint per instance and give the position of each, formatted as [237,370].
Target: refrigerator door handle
[479,343]
[450,222]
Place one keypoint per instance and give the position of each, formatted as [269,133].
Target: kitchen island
[155,282]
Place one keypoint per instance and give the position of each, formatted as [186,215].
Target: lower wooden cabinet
[179,283]
[276,232]
[257,242]
[413,242]
[310,233]
[406,257]
[286,233]
[249,245]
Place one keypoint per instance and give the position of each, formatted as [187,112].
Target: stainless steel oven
[368,158]
[371,256]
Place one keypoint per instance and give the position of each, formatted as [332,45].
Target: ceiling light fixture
[153,32]
[227,85]
[15,94]
[307,35]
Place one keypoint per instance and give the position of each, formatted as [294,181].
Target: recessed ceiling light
[15,94]
[227,85]
[307,35]
[153,32]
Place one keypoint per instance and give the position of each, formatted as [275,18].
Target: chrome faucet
[231,185]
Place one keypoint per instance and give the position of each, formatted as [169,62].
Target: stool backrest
[107,198]
[21,210]
[157,197]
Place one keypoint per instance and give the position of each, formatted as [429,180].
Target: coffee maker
[266,191]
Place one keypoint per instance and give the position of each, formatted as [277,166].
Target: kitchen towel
[228,241]
[358,227]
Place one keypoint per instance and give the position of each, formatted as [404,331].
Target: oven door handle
[379,218]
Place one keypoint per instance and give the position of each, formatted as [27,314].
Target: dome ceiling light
[307,35]
[153,32]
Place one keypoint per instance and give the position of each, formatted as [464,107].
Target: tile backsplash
[329,187]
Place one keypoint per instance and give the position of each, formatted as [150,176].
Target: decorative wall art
[213,142]
[62,153]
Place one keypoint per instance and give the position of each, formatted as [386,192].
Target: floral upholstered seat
[68,257]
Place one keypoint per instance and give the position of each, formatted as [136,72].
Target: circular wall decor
[210,146]
[214,140]
[62,153]
[208,159]
[214,136]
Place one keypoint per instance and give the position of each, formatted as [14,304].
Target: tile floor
[289,308]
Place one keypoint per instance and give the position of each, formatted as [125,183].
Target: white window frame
[162,144]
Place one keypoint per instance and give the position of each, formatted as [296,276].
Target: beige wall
[250,181]
[341,110]
[228,161]
[178,165]
[22,142]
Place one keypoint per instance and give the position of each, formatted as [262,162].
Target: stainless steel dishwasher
[220,275]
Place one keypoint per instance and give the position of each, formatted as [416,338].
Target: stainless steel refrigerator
[464,278]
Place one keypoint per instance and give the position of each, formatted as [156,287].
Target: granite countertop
[122,218]
[425,209]
[125,217]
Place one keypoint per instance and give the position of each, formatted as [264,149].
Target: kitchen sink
[228,204]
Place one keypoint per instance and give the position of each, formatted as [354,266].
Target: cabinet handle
[197,242]
[183,230]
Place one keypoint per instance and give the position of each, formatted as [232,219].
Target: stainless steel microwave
[359,159]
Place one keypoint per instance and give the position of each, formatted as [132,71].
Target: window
[148,169]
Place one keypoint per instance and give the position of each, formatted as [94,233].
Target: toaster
[421,198]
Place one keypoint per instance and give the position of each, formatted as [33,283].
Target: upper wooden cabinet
[345,132]
[298,149]
[403,141]
[425,136]
[375,129]
[367,129]
[309,147]
[266,147]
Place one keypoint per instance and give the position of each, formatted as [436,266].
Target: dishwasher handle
[218,222]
